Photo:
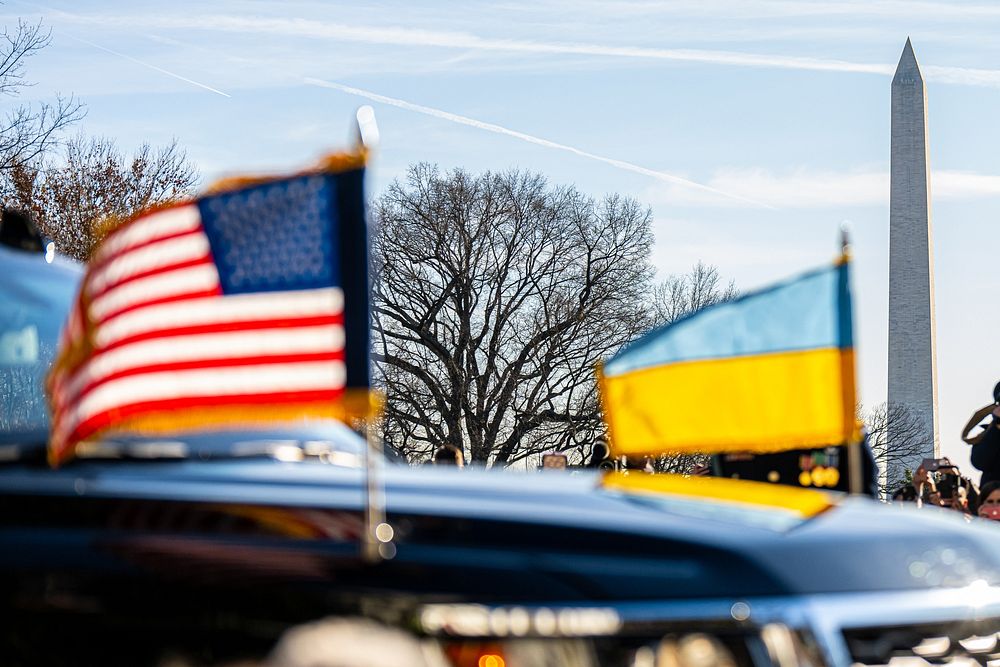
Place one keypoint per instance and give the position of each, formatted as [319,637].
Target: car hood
[610,543]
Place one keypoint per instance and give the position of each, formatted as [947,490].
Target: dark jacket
[986,455]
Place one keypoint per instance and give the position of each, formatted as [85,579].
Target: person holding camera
[945,486]
[956,492]
[922,488]
[925,487]
[985,455]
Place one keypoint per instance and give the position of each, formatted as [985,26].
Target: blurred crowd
[940,483]
[935,483]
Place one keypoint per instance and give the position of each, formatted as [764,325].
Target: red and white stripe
[166,338]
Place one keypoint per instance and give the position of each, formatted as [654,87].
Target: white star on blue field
[753,128]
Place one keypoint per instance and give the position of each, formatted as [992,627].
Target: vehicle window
[36,297]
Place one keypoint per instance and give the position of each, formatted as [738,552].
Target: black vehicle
[214,555]
[211,546]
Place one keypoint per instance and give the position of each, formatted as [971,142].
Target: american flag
[244,306]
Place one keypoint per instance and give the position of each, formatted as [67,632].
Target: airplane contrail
[298,28]
[490,127]
[150,66]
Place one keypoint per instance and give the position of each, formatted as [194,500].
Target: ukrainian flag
[769,371]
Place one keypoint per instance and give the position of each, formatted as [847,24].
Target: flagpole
[376,543]
[376,528]
[854,468]
[853,446]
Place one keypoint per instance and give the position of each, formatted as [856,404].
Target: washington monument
[912,353]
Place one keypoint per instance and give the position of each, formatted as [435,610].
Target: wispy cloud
[497,129]
[777,9]
[808,188]
[964,185]
[811,189]
[966,76]
[399,36]
[676,254]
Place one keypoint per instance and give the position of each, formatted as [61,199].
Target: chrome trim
[827,616]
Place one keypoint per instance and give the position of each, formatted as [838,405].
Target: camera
[948,483]
[933,465]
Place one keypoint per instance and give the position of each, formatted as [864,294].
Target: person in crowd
[701,470]
[985,453]
[989,501]
[448,455]
[970,491]
[959,501]
[640,463]
[905,494]
[599,454]
[946,487]
[953,490]
[924,487]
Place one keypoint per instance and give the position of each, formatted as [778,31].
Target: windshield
[36,300]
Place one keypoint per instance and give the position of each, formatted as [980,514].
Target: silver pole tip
[367,127]
[845,236]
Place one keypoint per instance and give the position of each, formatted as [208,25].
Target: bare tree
[676,297]
[683,294]
[27,132]
[495,295]
[680,464]
[75,200]
[897,434]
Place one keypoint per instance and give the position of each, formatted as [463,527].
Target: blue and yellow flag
[769,371]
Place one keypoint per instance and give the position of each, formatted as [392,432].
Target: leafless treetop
[27,132]
[495,295]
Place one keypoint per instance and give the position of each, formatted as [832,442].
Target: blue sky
[776,111]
